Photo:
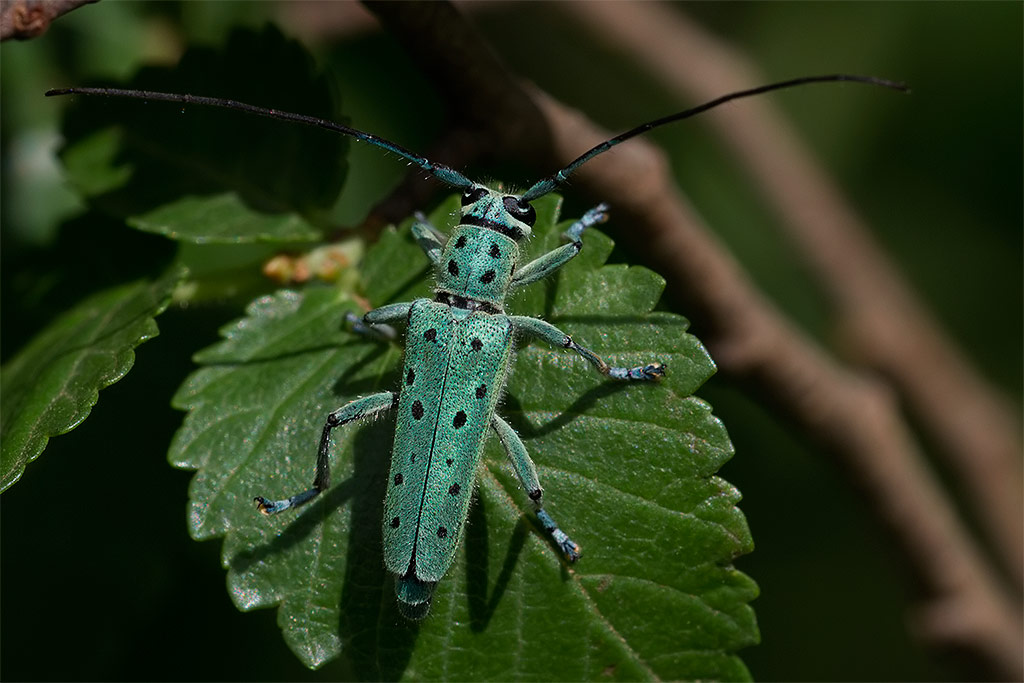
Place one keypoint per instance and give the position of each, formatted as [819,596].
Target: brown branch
[498,116]
[24,19]
[855,418]
[884,321]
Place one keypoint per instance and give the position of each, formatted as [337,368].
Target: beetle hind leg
[570,549]
[527,473]
[368,406]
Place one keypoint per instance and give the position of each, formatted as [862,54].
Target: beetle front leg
[545,331]
[430,239]
[375,323]
[548,263]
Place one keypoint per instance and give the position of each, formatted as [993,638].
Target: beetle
[458,351]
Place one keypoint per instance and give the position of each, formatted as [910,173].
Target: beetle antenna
[552,182]
[439,171]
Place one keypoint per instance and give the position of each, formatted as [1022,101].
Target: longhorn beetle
[458,351]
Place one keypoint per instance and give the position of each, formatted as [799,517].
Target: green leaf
[53,383]
[628,470]
[223,218]
[204,174]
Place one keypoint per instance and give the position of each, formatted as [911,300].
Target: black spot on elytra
[394,523]
[481,391]
[453,267]
[454,490]
[410,376]
[461,242]
[442,532]
[430,335]
[476,344]
[488,277]
[448,461]
[460,419]
[417,410]
[412,457]
[399,479]
[495,251]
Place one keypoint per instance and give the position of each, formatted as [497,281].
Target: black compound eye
[472,195]
[521,210]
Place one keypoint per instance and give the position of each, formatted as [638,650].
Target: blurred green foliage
[97,564]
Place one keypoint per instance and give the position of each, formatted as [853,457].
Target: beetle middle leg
[545,331]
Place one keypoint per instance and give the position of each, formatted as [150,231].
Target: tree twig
[495,118]
[975,427]
[24,19]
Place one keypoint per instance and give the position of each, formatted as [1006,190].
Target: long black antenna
[553,181]
[439,171]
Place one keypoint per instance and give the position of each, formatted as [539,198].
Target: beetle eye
[472,195]
[521,210]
